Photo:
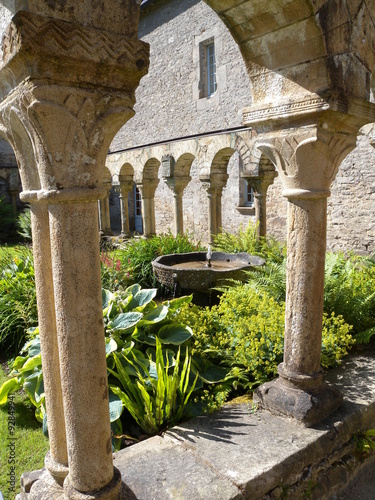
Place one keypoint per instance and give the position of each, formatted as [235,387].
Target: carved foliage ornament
[307,158]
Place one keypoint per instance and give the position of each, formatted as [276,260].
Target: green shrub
[246,240]
[7,218]
[18,310]
[24,224]
[114,274]
[349,290]
[137,255]
[246,330]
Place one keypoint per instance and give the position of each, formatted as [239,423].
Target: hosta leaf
[30,386]
[116,431]
[176,303]
[155,315]
[110,345]
[8,386]
[175,334]
[33,346]
[115,405]
[133,289]
[107,296]
[19,362]
[31,363]
[143,337]
[126,320]
[214,374]
[142,298]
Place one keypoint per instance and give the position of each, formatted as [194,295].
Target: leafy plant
[7,217]
[24,224]
[246,330]
[365,441]
[27,374]
[246,240]
[350,291]
[150,373]
[157,395]
[18,310]
[137,255]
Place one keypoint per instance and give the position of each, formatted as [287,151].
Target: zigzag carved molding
[60,38]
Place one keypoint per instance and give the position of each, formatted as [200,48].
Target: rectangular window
[249,194]
[207,62]
[211,69]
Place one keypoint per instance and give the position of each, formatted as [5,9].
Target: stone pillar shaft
[307,223]
[57,459]
[147,189]
[148,214]
[125,230]
[76,271]
[260,202]
[178,213]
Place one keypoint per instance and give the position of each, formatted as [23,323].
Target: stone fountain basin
[190,271]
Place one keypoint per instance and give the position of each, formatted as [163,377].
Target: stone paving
[238,453]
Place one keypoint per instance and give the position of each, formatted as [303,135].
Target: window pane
[211,69]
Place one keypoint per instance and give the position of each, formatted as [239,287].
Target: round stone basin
[190,271]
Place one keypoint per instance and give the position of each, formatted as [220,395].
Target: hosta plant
[150,368]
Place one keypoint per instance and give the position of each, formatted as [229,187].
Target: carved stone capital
[68,128]
[215,183]
[177,184]
[262,182]
[125,187]
[148,188]
[307,158]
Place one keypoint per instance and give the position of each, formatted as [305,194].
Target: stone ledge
[237,454]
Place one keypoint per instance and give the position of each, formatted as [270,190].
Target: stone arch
[147,184]
[312,47]
[22,145]
[183,165]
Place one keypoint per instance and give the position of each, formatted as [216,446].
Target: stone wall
[167,103]
[168,107]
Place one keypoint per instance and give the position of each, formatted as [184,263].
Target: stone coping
[239,453]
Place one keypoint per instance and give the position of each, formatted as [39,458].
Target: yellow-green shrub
[247,330]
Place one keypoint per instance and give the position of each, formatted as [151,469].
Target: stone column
[147,189]
[260,185]
[105,211]
[56,460]
[14,189]
[307,158]
[177,186]
[100,218]
[214,185]
[125,189]
[211,207]
[219,182]
[81,340]
[67,101]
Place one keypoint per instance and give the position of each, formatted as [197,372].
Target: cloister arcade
[68,75]
[170,164]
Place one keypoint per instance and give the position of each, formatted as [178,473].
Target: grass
[30,444]
[6,250]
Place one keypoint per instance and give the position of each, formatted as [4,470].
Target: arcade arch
[311,78]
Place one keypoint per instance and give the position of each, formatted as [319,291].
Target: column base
[39,485]
[112,491]
[308,405]
[57,470]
